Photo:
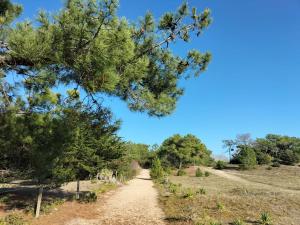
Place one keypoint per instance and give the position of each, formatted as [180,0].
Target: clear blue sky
[252,84]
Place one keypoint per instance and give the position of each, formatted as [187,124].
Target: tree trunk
[78,189]
[180,164]
[39,201]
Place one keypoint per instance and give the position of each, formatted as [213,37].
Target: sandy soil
[134,204]
[235,178]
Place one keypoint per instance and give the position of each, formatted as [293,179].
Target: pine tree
[89,45]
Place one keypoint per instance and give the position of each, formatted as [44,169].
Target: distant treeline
[276,149]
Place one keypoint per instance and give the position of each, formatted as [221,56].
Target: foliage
[220,206]
[87,44]
[13,219]
[199,172]
[275,164]
[156,170]
[188,193]
[201,191]
[79,142]
[140,153]
[265,218]
[181,172]
[238,222]
[206,173]
[178,151]
[88,197]
[263,158]
[282,149]
[247,158]
[220,165]
[174,188]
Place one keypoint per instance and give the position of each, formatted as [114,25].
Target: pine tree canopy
[86,45]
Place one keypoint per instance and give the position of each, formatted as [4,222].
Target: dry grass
[284,176]
[226,200]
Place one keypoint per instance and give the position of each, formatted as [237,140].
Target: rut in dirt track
[134,204]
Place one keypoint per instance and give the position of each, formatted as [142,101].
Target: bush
[188,193]
[220,206]
[88,197]
[13,219]
[206,173]
[199,173]
[247,158]
[181,172]
[275,164]
[263,158]
[265,219]
[174,188]
[157,171]
[288,157]
[201,191]
[220,165]
[238,222]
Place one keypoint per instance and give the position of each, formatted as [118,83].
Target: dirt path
[134,204]
[235,178]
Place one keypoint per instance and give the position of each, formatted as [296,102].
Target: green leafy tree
[178,151]
[139,153]
[157,171]
[283,149]
[247,158]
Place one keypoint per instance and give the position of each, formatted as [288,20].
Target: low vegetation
[209,200]
[220,165]
[13,219]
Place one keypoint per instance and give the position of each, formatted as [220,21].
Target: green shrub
[181,172]
[247,158]
[215,223]
[201,191]
[157,171]
[220,206]
[265,219]
[13,219]
[289,157]
[263,158]
[206,173]
[199,173]
[174,188]
[238,222]
[188,193]
[269,168]
[168,170]
[88,197]
[220,165]
[275,164]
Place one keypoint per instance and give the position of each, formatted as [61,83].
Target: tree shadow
[255,222]
[173,219]
[140,178]
[24,198]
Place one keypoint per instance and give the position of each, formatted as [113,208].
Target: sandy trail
[134,204]
[235,178]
